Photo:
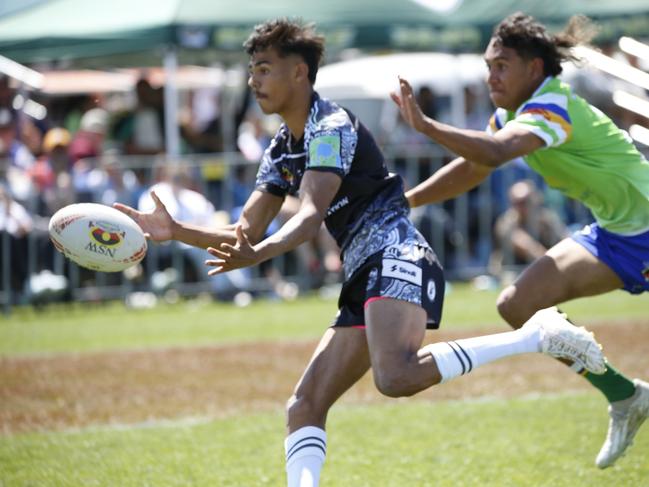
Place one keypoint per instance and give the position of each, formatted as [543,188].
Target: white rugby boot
[562,339]
[626,418]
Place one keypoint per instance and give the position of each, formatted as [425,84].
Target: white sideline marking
[189,421]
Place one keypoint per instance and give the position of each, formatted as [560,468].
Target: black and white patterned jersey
[370,201]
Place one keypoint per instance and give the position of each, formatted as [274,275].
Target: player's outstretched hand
[408,106]
[230,257]
[156,224]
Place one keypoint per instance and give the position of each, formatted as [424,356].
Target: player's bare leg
[402,367]
[338,362]
[566,272]
[395,332]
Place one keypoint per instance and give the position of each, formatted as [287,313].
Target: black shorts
[419,281]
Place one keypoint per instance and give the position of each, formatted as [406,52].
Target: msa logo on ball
[400,269]
[104,239]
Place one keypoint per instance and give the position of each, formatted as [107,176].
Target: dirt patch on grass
[67,391]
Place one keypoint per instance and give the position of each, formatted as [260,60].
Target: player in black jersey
[394,285]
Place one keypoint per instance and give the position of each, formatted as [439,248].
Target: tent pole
[172,131]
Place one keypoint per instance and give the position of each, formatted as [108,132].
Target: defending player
[394,285]
[578,150]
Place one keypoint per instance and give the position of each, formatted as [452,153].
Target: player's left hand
[408,106]
[230,257]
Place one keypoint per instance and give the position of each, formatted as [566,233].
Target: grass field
[192,394]
[80,328]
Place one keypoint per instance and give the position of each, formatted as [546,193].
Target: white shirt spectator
[14,218]
[182,204]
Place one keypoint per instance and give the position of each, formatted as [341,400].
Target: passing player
[579,151]
[394,285]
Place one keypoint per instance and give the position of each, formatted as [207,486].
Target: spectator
[6,93]
[200,124]
[252,139]
[111,182]
[17,224]
[89,140]
[51,173]
[142,130]
[188,205]
[74,109]
[526,230]
[19,158]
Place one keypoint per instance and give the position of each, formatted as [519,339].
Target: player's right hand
[156,224]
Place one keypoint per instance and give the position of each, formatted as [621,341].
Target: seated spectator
[190,206]
[525,231]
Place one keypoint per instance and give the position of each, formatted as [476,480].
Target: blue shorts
[627,256]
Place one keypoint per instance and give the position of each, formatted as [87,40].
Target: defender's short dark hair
[289,37]
[531,39]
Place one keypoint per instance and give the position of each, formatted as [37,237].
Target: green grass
[544,441]
[548,441]
[82,328]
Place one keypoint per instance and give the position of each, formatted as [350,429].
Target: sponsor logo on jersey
[341,203]
[399,269]
[324,151]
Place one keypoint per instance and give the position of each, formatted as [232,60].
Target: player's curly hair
[289,37]
[531,39]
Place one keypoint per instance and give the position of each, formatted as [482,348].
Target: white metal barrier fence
[32,272]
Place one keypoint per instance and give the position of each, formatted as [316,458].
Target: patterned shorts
[408,271]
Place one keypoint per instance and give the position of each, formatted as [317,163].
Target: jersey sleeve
[269,180]
[546,116]
[497,121]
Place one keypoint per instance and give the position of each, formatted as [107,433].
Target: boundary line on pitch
[189,421]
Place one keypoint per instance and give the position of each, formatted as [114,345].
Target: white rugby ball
[97,237]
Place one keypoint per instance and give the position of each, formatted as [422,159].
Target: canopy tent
[76,29]
[127,32]
[73,29]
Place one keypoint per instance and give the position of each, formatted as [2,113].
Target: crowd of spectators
[82,151]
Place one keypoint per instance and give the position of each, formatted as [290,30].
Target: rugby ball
[97,237]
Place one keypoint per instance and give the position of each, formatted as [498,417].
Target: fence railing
[32,272]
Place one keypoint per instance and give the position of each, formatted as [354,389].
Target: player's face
[272,80]
[511,79]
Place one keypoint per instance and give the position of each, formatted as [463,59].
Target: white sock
[462,356]
[305,453]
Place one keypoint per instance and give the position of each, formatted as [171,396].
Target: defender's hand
[408,106]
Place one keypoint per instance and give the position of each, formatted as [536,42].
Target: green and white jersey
[586,156]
